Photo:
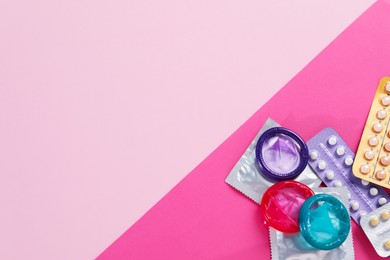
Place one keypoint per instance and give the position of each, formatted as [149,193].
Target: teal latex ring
[317,217]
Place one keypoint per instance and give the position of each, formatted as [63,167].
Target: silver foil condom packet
[247,178]
[293,246]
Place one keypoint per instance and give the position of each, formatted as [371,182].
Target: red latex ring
[281,204]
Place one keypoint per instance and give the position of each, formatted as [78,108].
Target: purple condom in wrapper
[281,154]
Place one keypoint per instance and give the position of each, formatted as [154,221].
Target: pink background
[105,106]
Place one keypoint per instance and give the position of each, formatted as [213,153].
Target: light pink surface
[106,105]
[204,218]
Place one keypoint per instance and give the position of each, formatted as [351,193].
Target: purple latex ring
[281,154]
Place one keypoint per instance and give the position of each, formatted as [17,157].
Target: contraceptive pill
[385,215]
[330,175]
[313,155]
[321,165]
[340,151]
[348,161]
[332,140]
[369,155]
[381,114]
[387,245]
[336,171]
[364,169]
[376,226]
[373,191]
[382,201]
[385,101]
[372,162]
[380,175]
[355,205]
[374,221]
[337,184]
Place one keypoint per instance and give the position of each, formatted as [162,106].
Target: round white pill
[322,165]
[386,100]
[314,155]
[340,151]
[355,205]
[377,128]
[373,191]
[348,161]
[364,169]
[365,183]
[387,147]
[381,114]
[369,155]
[349,195]
[382,201]
[332,140]
[373,141]
[380,175]
[384,160]
[330,175]
[337,184]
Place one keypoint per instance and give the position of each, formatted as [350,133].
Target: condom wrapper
[294,246]
[324,221]
[281,154]
[248,179]
[282,203]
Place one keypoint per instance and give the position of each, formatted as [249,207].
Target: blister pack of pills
[376,225]
[332,160]
[293,246]
[246,177]
[372,161]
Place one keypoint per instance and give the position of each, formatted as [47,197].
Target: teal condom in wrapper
[324,222]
